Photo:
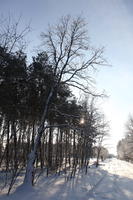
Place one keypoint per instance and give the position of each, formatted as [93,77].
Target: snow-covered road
[117,183]
[113,180]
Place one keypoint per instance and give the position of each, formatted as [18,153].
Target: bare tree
[103,129]
[12,37]
[72,60]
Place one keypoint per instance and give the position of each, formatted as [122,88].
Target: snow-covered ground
[113,180]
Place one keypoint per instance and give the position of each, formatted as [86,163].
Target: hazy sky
[110,24]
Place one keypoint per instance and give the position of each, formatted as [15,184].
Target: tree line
[125,146]
[41,123]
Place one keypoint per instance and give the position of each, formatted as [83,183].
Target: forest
[66,120]
[42,124]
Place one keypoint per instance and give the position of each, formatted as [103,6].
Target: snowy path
[118,182]
[113,180]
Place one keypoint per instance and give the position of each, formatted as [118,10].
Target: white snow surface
[112,180]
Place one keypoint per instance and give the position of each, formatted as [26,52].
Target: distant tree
[103,129]
[103,153]
[125,146]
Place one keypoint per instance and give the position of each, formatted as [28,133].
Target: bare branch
[11,37]
[70,54]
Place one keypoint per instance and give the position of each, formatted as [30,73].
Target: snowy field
[113,180]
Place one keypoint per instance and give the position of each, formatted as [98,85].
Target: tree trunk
[98,155]
[50,148]
[29,175]
[7,146]
[13,128]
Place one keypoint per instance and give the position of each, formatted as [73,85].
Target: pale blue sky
[110,24]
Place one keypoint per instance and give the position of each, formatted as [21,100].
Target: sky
[110,24]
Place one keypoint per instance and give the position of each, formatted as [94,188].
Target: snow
[112,180]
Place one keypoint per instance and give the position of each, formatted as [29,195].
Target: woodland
[43,126]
